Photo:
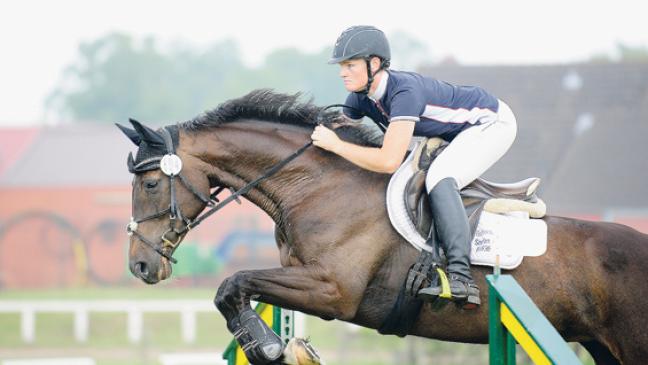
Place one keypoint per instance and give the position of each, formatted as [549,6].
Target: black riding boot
[454,235]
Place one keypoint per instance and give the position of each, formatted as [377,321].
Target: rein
[171,165]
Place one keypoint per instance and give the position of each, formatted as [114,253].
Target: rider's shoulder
[406,80]
[359,100]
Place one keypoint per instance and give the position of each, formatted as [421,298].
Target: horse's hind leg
[305,288]
[600,353]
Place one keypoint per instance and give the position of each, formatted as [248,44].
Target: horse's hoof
[299,351]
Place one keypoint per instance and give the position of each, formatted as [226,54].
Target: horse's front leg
[309,289]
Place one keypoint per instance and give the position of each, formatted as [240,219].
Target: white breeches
[474,150]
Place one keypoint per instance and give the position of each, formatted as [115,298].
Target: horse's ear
[130,133]
[147,134]
[130,162]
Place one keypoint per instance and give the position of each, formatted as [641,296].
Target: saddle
[409,212]
[479,195]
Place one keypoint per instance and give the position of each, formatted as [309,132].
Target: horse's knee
[237,284]
[230,300]
[228,291]
[240,278]
[234,283]
[220,299]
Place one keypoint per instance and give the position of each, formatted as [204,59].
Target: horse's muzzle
[151,274]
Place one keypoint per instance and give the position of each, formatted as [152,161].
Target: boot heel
[471,303]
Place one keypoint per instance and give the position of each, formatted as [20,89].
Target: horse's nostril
[141,268]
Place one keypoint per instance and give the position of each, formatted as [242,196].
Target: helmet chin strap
[370,75]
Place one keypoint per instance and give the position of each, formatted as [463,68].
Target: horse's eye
[150,185]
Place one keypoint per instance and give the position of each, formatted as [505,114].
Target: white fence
[182,358]
[133,308]
[81,309]
[53,361]
[189,358]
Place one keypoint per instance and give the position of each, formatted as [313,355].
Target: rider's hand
[325,138]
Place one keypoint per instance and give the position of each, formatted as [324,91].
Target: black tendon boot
[454,235]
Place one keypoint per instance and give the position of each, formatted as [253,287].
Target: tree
[624,53]
[117,77]
[632,54]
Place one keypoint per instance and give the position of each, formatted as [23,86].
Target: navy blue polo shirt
[439,109]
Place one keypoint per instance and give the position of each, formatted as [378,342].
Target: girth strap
[407,307]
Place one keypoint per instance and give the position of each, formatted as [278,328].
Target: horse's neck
[241,152]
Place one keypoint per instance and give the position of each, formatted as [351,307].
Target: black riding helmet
[364,42]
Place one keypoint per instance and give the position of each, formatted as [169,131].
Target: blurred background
[575,73]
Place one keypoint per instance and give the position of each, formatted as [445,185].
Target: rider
[479,127]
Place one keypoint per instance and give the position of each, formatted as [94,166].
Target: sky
[38,39]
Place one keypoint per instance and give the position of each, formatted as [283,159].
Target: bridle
[171,165]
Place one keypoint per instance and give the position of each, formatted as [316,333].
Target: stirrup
[441,290]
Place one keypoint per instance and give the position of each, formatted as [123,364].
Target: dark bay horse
[341,258]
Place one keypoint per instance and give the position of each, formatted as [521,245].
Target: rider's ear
[130,133]
[375,64]
[147,134]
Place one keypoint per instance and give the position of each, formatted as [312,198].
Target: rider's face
[354,74]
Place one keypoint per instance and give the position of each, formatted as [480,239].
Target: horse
[340,256]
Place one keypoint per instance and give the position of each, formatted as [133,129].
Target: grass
[108,344]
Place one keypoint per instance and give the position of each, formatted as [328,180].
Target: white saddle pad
[512,236]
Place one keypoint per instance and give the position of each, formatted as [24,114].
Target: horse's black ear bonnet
[151,145]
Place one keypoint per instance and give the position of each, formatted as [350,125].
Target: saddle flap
[417,206]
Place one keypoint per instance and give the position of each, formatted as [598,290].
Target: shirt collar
[382,86]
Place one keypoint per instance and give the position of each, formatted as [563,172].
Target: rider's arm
[407,105]
[385,159]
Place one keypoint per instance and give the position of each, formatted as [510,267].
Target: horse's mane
[271,106]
